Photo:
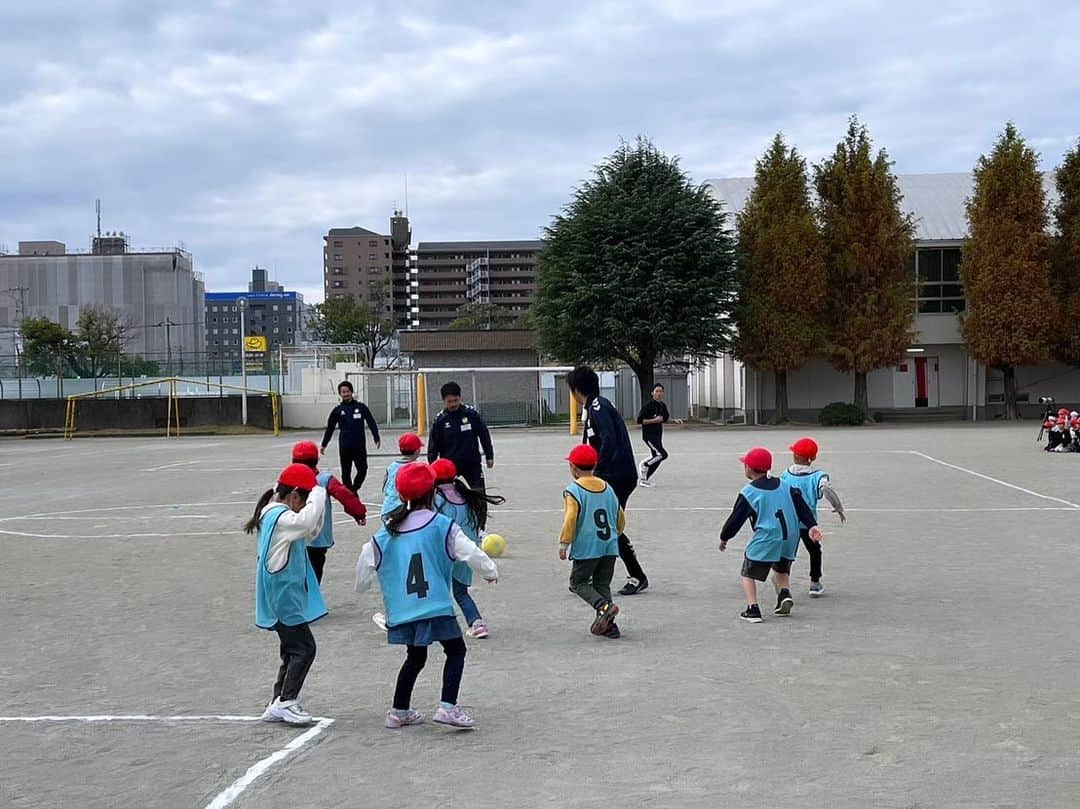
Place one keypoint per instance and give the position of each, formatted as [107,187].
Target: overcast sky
[245,129]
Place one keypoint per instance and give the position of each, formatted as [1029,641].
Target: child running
[813,485]
[774,510]
[592,522]
[287,596]
[412,556]
[467,507]
[409,445]
[307,453]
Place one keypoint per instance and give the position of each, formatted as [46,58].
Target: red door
[922,399]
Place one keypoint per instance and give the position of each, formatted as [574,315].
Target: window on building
[339,244]
[371,257]
[337,256]
[276,307]
[937,273]
[373,243]
[337,284]
[236,331]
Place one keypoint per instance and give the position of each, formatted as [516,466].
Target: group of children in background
[1063,432]
[428,548]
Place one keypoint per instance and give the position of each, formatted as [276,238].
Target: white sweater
[464,550]
[294,526]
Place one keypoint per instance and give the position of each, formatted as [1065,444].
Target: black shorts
[752,569]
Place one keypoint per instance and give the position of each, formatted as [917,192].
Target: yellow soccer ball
[494,545]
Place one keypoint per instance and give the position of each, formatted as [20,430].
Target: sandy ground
[941,670]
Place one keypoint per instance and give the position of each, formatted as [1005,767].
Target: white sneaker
[455,717]
[379,620]
[647,483]
[268,715]
[395,721]
[643,470]
[289,712]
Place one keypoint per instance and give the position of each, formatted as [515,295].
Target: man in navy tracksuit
[458,434]
[350,417]
[606,431]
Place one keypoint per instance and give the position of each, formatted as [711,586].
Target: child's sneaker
[268,715]
[456,717]
[394,720]
[290,712]
[605,615]
[379,620]
[613,632]
[634,586]
[478,630]
[817,589]
[752,614]
[643,470]
[646,483]
[784,603]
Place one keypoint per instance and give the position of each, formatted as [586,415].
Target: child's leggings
[297,655]
[465,601]
[416,658]
[813,550]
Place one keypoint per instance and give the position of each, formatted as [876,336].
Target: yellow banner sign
[255,343]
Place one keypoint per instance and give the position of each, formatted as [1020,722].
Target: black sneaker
[752,614]
[784,603]
[605,617]
[613,632]
[634,586]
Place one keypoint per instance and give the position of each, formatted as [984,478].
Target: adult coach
[350,417]
[458,434]
[605,430]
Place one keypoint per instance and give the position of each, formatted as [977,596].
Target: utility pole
[168,324]
[20,314]
[242,305]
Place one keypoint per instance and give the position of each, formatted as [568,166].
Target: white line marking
[128,508]
[134,718]
[173,465]
[940,462]
[115,535]
[233,791]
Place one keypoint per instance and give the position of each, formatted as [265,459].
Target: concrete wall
[132,414]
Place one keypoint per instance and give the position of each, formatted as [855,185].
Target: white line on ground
[233,791]
[115,535]
[940,462]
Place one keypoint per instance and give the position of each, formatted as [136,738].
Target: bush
[839,413]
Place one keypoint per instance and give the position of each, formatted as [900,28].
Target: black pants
[350,458]
[813,549]
[659,455]
[297,655]
[416,659]
[317,557]
[623,488]
[591,580]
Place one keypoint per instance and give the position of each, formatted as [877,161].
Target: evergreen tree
[781,271]
[1067,256]
[637,268]
[867,239]
[1011,309]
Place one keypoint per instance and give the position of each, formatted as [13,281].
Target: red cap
[298,476]
[444,470]
[759,459]
[409,443]
[805,448]
[305,451]
[583,457]
[413,481]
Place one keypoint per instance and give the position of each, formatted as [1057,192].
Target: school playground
[940,670]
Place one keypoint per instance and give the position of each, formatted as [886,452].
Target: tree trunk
[644,373]
[781,416]
[1011,412]
[862,400]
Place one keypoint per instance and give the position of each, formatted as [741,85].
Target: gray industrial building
[158,292]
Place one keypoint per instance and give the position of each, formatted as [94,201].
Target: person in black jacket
[458,433]
[606,432]
[350,417]
[652,418]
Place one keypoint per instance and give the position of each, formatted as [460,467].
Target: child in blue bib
[413,557]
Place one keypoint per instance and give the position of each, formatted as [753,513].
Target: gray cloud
[246,129]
